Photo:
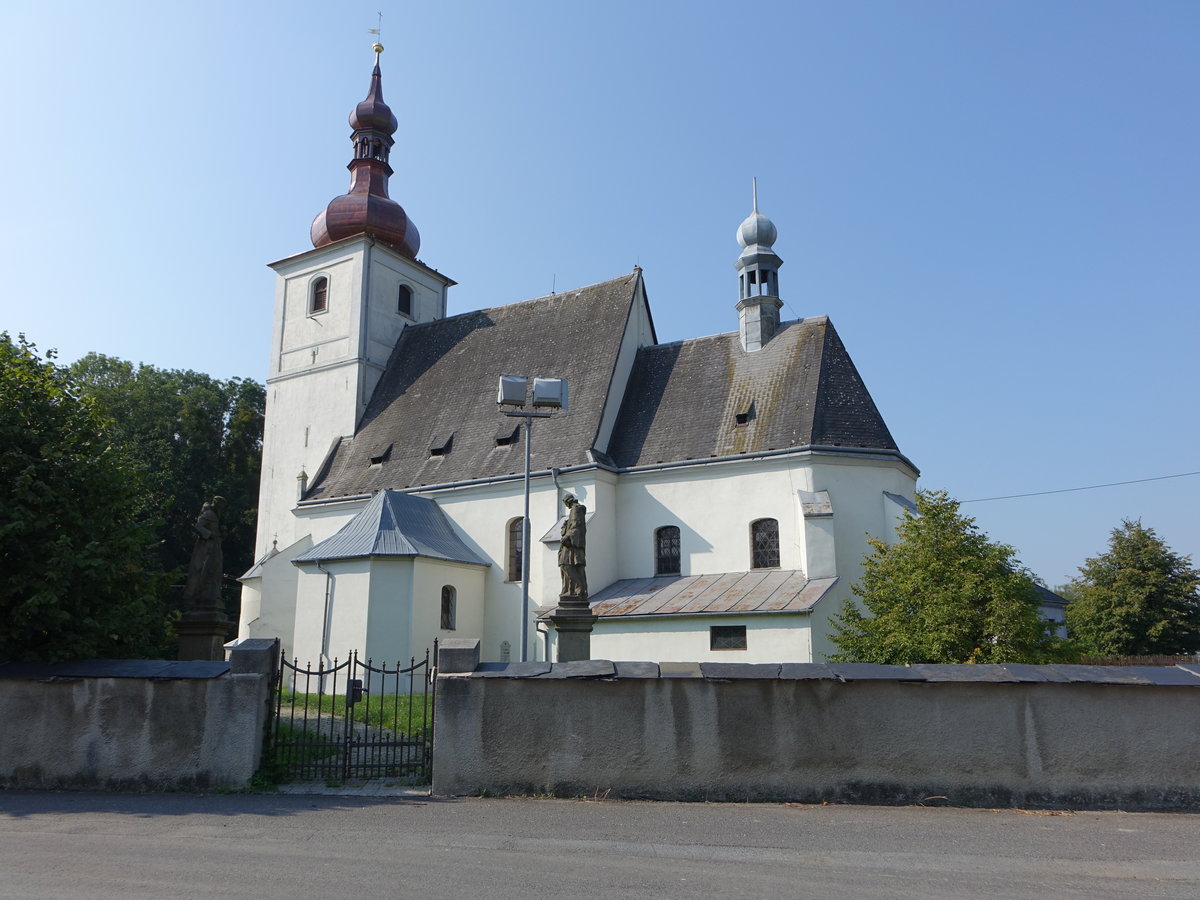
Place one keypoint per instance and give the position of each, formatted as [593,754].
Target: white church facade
[731,481]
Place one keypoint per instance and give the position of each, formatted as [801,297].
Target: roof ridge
[487,309]
[803,320]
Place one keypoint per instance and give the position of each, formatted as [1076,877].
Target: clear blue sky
[998,203]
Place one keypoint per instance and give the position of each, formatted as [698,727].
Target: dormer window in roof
[381,455]
[745,417]
[508,434]
[318,295]
[441,444]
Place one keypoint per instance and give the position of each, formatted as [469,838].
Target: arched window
[666,550]
[764,544]
[449,608]
[516,544]
[318,295]
[404,300]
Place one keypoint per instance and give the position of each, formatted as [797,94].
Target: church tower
[339,310]
[758,280]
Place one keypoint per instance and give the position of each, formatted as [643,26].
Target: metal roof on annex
[731,593]
[395,524]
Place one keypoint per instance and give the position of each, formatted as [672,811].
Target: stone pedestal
[202,634]
[573,620]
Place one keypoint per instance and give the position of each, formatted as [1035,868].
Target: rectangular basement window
[727,637]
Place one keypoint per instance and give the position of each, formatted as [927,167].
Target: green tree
[1139,598]
[189,436]
[73,576]
[943,593]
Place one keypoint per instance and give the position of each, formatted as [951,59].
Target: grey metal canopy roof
[732,593]
[395,524]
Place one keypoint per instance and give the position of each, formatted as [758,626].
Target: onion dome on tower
[366,208]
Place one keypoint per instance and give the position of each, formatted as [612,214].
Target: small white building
[731,481]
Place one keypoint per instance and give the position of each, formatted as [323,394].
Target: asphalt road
[102,846]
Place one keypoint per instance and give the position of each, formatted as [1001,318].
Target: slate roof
[434,420]
[763,591]
[800,389]
[440,385]
[395,524]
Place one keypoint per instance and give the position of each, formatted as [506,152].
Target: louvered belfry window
[764,544]
[516,540]
[319,300]
[666,550]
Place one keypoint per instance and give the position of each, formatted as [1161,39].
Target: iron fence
[353,719]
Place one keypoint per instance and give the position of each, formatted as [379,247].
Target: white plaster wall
[481,513]
[713,506]
[324,366]
[387,634]
[348,610]
[269,601]
[429,576]
[769,638]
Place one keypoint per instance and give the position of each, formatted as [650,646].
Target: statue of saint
[203,590]
[572,555]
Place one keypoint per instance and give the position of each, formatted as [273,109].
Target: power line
[1090,487]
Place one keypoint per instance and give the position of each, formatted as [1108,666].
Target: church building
[730,481]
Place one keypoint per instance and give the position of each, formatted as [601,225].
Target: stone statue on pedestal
[203,590]
[573,618]
[203,627]
[572,551]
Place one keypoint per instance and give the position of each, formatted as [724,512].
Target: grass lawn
[409,715]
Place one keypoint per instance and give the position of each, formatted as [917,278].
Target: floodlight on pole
[548,393]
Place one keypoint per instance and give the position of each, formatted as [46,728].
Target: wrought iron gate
[353,719]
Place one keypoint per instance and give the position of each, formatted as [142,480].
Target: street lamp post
[549,393]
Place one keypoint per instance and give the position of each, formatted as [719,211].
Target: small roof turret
[758,279]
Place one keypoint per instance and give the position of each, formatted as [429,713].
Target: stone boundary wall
[1034,736]
[135,724]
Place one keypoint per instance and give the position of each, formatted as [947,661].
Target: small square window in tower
[764,544]
[666,550]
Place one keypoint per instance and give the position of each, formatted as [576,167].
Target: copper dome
[366,208]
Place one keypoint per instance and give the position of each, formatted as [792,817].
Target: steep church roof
[433,418]
[708,397]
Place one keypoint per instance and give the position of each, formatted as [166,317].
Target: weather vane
[378,29]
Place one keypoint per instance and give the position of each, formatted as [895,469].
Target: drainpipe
[325,618]
[545,642]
